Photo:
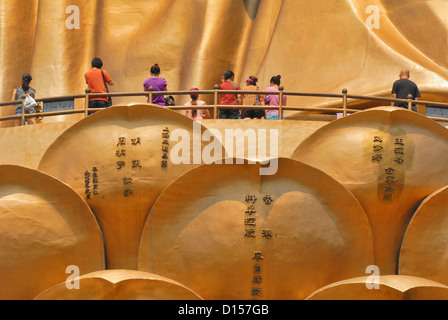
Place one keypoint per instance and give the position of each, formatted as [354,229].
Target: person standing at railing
[18,94]
[158,84]
[252,100]
[196,114]
[273,99]
[229,99]
[97,80]
[404,87]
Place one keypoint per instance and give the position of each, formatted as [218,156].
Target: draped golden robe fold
[316,45]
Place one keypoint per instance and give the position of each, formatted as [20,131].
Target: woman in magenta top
[158,84]
[274,100]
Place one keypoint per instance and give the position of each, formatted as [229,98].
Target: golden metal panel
[390,287]
[202,235]
[44,228]
[388,189]
[119,285]
[126,193]
[424,249]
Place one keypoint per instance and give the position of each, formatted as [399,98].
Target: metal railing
[342,109]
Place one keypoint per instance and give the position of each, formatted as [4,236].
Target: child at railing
[196,114]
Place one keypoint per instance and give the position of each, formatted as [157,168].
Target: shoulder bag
[107,89]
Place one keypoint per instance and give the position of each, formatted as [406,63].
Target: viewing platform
[76,106]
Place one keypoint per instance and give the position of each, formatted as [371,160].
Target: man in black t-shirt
[404,87]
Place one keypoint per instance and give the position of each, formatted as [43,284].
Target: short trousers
[96,104]
[27,111]
[273,116]
[253,114]
[228,114]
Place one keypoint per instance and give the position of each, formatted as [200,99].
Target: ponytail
[254,80]
[26,79]
[155,69]
[194,112]
[194,99]
[276,80]
[228,74]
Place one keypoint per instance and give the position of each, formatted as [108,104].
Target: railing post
[22,121]
[150,90]
[344,102]
[410,97]
[280,110]
[215,103]
[86,104]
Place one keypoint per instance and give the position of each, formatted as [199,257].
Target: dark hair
[276,80]
[155,69]
[26,79]
[97,63]
[253,79]
[228,75]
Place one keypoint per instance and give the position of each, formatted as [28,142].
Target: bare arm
[417,105]
[394,96]
[285,100]
[240,100]
[262,99]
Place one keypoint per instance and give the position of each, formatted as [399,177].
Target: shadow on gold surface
[424,250]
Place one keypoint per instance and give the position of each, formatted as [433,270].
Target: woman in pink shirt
[274,100]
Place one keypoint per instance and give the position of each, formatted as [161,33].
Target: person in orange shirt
[96,79]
